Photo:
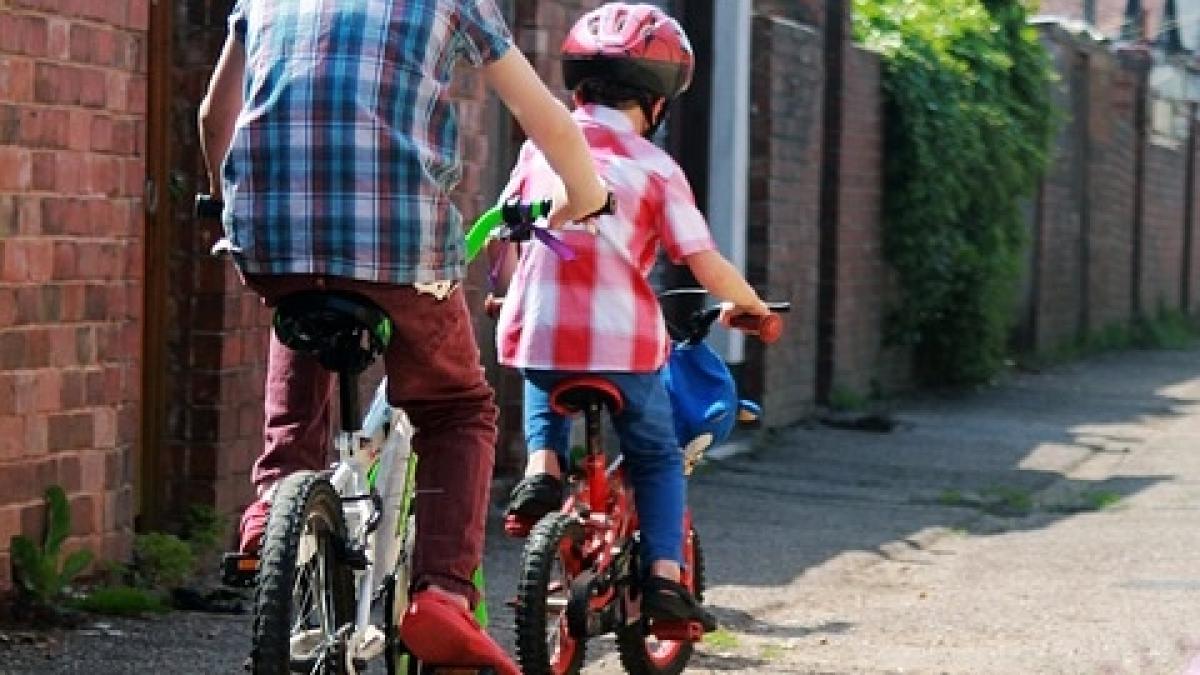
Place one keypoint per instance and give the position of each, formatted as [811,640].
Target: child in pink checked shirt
[598,313]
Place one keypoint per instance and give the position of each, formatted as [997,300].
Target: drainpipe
[1133,28]
[1189,212]
[729,134]
[1083,110]
[836,25]
[1139,172]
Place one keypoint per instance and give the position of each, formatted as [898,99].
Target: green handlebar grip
[482,230]
[491,220]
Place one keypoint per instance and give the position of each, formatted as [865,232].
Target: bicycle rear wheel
[643,654]
[304,602]
[544,645]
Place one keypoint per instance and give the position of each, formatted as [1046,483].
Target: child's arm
[219,110]
[722,279]
[546,120]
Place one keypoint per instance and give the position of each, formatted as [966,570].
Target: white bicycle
[331,581]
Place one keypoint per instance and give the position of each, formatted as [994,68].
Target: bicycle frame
[606,497]
[374,476]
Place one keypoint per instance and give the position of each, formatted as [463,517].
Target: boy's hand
[582,209]
[730,311]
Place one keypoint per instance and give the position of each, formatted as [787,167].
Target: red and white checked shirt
[598,312]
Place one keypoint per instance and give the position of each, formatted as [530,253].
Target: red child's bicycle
[580,567]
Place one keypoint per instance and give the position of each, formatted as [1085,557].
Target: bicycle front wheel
[304,602]
[544,642]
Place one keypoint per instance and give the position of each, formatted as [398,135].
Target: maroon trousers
[434,375]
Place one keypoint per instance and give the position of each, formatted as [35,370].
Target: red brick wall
[862,275]
[1058,290]
[1110,14]
[1111,134]
[72,100]
[1162,228]
[216,337]
[1098,259]
[785,177]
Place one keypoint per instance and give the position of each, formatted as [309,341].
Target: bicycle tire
[534,641]
[304,502]
[643,655]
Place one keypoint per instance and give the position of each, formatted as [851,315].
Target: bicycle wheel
[544,646]
[304,602]
[643,654]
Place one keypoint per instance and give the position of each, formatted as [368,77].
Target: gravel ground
[1043,525]
[180,642]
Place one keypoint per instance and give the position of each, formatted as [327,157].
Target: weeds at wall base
[1168,329]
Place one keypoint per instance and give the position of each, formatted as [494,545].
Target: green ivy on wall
[969,124]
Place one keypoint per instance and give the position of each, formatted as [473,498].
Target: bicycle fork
[373,517]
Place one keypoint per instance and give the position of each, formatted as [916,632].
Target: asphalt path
[1044,524]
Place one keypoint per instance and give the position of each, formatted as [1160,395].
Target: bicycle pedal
[677,631]
[308,664]
[239,570]
[518,527]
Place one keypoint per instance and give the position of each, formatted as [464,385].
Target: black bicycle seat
[344,331]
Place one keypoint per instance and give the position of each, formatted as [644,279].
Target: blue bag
[703,395]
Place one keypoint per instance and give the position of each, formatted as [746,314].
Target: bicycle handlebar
[500,216]
[768,328]
[207,207]
[513,220]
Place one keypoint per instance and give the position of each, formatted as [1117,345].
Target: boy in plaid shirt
[329,134]
[597,313]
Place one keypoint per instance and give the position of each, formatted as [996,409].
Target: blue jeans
[653,459]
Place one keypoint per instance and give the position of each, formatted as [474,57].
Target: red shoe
[439,632]
[252,527]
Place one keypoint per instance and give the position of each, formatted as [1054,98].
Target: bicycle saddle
[344,331]
[571,395]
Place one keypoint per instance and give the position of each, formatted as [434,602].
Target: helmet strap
[653,122]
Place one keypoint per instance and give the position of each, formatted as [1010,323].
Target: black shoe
[667,600]
[535,496]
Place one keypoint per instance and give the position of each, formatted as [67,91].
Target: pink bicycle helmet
[636,45]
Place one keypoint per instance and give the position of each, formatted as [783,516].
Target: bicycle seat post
[348,400]
[595,460]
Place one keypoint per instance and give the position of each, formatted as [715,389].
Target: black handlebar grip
[207,207]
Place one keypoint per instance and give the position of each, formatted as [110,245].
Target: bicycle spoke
[327,626]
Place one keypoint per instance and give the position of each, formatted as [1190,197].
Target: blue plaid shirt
[346,148]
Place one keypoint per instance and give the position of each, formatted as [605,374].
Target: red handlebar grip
[768,328]
[492,305]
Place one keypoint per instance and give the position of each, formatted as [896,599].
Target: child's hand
[567,207]
[730,311]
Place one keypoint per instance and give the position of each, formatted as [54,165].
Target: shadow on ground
[987,461]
